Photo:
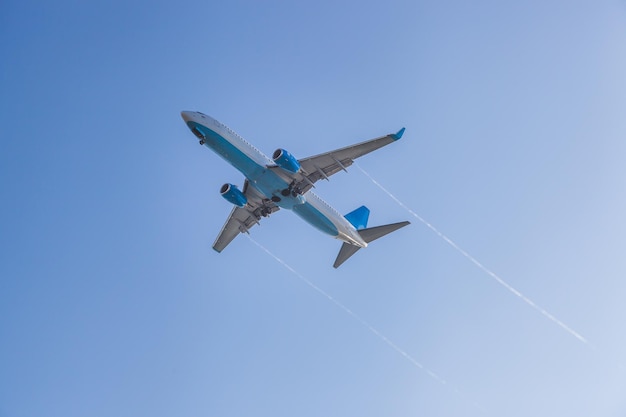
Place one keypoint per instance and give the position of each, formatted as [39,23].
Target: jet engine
[232,194]
[286,161]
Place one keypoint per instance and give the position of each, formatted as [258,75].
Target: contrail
[351,313]
[371,328]
[480,265]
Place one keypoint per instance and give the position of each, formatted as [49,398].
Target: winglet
[399,134]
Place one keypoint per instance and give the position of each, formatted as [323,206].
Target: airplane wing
[241,219]
[324,165]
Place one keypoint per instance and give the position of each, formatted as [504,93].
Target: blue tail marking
[358,218]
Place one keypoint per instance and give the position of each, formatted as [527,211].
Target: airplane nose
[186,115]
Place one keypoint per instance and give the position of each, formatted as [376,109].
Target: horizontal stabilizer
[368,235]
[373,233]
[346,251]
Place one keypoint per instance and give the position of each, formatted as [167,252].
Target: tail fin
[358,218]
[368,235]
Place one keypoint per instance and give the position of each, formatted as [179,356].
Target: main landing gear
[263,211]
[292,189]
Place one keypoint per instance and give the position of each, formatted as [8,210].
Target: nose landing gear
[198,134]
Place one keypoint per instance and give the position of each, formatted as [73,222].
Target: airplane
[286,182]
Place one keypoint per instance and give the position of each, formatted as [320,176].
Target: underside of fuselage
[286,182]
[275,187]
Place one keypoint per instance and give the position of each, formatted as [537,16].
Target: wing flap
[332,162]
[325,165]
[242,219]
[235,224]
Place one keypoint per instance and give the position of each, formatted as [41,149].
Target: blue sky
[113,303]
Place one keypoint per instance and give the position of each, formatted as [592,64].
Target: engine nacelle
[286,161]
[232,194]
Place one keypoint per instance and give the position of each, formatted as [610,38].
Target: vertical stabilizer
[358,218]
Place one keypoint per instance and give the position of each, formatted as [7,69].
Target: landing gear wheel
[201,142]
[296,191]
[291,189]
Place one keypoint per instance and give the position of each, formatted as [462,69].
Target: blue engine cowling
[286,161]
[232,194]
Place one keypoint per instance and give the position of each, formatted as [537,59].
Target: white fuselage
[253,164]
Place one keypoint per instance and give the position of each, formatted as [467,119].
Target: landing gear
[292,189]
[263,211]
[198,134]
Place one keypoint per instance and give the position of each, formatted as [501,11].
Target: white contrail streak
[358,318]
[478,264]
[371,328]
[351,313]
